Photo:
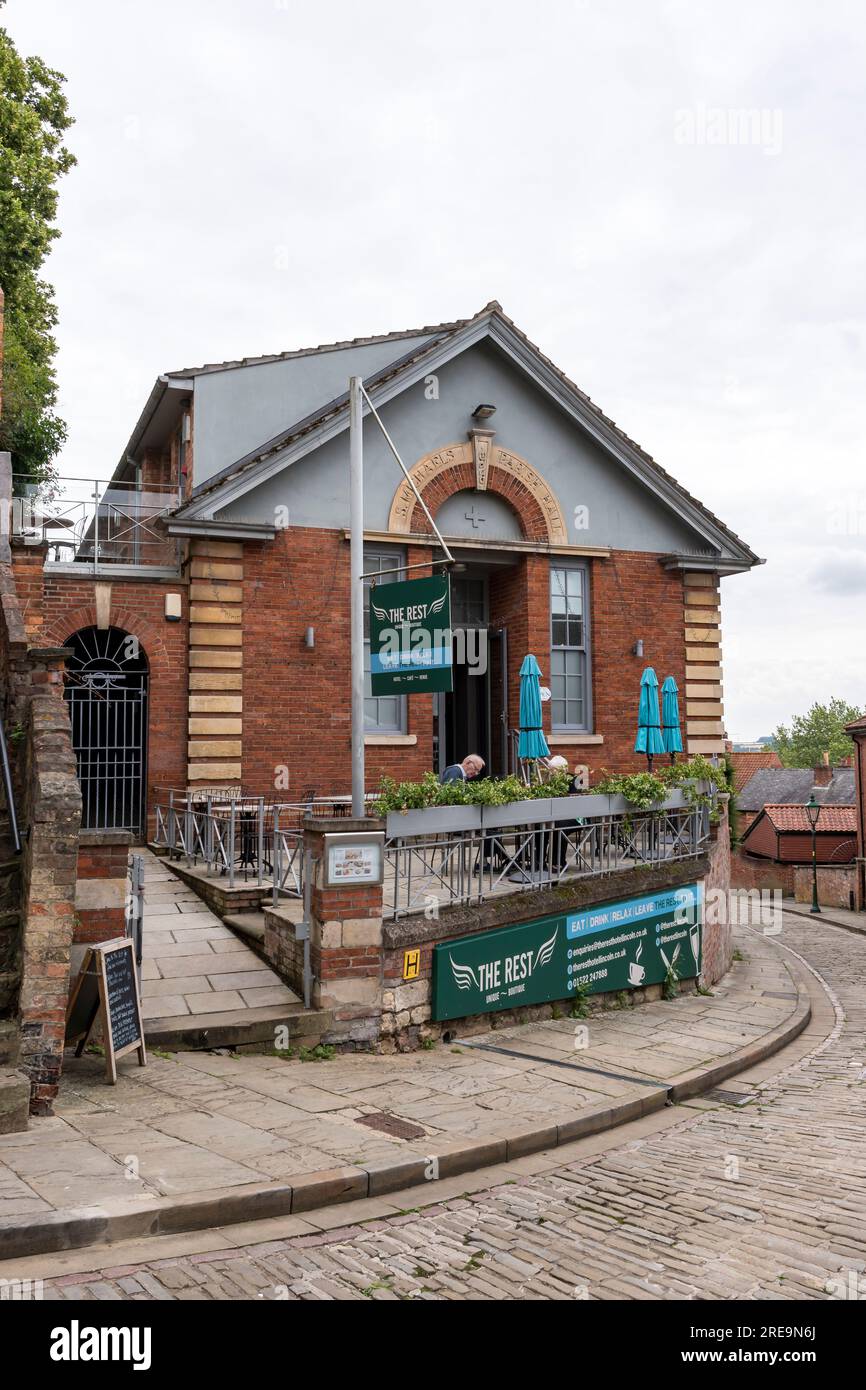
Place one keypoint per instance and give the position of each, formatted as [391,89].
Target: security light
[483,412]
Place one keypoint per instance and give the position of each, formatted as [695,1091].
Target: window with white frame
[383,714]
[570,686]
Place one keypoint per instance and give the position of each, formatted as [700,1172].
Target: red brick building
[206,597]
[783,833]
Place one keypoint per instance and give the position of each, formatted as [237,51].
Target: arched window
[106,689]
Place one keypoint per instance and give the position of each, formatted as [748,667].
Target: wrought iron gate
[106,689]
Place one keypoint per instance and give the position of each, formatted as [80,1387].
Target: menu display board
[354,858]
[107,985]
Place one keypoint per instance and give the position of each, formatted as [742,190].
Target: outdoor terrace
[93,526]
[443,856]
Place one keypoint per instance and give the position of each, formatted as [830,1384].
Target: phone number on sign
[590,979]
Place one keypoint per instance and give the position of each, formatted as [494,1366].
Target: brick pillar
[52,816]
[345,943]
[704,708]
[215,662]
[101,887]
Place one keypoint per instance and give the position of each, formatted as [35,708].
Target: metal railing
[96,524]
[236,835]
[470,866]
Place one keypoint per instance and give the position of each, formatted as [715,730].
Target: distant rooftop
[787,785]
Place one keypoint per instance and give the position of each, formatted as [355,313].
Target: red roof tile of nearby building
[745,765]
[832,820]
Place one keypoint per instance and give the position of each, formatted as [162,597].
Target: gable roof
[446,342]
[787,785]
[745,765]
[832,820]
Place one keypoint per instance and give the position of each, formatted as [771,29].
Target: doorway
[472,718]
[105,687]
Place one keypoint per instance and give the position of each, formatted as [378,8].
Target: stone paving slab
[193,965]
[246,1130]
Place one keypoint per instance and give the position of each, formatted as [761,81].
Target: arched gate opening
[105,686]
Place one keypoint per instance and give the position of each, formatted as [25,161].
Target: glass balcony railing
[96,525]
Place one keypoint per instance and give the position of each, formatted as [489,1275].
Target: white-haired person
[471,767]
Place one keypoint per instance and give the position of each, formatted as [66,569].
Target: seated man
[471,766]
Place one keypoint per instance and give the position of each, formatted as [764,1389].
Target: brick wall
[632,597]
[748,871]
[837,887]
[57,605]
[296,699]
[296,709]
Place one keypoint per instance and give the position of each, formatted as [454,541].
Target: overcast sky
[260,175]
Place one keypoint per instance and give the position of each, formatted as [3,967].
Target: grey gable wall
[622,512]
[239,409]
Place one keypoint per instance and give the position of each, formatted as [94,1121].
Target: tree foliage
[810,736]
[33,118]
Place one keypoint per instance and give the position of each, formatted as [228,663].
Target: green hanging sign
[611,946]
[410,636]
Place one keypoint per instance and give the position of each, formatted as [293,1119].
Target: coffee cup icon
[636,973]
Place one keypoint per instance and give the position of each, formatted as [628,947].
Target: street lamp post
[813,811]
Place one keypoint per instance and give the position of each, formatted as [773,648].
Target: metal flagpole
[356,564]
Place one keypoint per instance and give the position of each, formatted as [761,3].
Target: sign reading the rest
[410,636]
[610,947]
[107,988]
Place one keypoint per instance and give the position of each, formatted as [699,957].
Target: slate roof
[435,330]
[787,785]
[833,819]
[745,765]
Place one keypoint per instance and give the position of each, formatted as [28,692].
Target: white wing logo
[381,613]
[544,954]
[464,975]
[437,605]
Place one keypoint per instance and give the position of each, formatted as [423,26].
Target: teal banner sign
[410,636]
[612,946]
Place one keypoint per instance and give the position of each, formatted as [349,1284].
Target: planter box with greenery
[427,807]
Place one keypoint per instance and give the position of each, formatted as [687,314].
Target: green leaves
[643,790]
[33,157]
[821,731]
[489,791]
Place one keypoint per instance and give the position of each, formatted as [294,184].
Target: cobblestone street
[717,1200]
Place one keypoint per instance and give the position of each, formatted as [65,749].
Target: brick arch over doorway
[166,652]
[61,629]
[485,467]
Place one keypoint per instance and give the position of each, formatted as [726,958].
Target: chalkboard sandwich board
[107,984]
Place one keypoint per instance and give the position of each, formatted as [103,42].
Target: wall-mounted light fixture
[637,649]
[483,412]
[310,638]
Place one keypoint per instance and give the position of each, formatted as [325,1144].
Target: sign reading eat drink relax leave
[612,946]
[410,636]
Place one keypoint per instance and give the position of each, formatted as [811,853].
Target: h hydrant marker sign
[612,946]
[410,636]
